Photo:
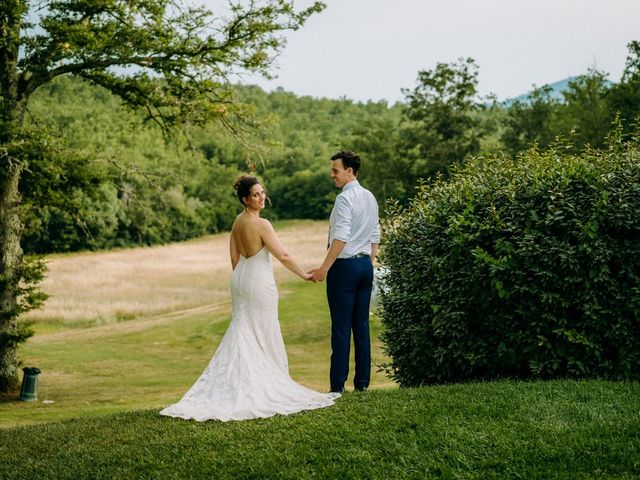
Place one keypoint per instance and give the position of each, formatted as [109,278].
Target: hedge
[525,267]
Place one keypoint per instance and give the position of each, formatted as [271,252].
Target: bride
[248,376]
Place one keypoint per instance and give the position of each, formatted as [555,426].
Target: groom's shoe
[337,390]
[361,389]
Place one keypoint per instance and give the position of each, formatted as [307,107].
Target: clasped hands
[316,275]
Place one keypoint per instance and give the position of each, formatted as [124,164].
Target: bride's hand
[308,276]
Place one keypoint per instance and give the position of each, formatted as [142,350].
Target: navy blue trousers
[349,283]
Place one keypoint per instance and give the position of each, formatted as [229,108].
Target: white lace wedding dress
[248,376]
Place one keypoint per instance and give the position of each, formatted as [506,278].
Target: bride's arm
[234,253]
[274,246]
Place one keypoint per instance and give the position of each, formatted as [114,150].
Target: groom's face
[339,175]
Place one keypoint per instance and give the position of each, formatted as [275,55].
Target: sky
[372,49]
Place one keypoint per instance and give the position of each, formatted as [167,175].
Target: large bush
[525,268]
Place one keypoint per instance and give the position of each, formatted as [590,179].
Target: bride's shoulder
[237,223]
[264,223]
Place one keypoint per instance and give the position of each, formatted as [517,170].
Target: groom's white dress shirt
[354,220]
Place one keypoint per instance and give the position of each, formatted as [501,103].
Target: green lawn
[544,430]
[150,363]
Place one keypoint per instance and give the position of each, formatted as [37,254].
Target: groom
[354,236]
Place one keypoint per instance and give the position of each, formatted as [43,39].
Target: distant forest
[161,189]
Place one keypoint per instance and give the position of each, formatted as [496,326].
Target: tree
[624,96]
[531,121]
[440,128]
[540,118]
[161,56]
[586,109]
[377,140]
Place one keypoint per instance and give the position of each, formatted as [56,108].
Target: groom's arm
[375,235]
[320,273]
[374,252]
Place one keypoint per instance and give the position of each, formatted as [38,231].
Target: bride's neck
[254,213]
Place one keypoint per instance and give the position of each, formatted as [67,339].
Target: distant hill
[556,91]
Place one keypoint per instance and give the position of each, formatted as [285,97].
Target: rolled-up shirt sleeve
[342,210]
[375,235]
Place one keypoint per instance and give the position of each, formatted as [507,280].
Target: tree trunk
[12,109]
[10,272]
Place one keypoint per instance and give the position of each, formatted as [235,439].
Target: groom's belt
[358,255]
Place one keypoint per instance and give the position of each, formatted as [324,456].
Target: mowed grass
[150,361]
[545,430]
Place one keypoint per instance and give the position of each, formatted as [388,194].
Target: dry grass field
[97,288]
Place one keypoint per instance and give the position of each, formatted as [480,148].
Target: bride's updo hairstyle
[243,186]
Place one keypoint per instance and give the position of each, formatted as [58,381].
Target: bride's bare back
[247,234]
[250,234]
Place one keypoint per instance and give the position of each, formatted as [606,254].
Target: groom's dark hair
[349,159]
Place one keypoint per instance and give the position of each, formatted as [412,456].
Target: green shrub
[525,268]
